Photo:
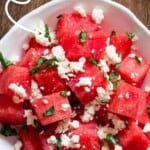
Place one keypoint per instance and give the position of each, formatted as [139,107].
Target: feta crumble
[97,15]
[146,128]
[18,145]
[118,147]
[30,117]
[80,10]
[18,89]
[84,81]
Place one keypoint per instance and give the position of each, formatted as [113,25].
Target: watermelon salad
[76,88]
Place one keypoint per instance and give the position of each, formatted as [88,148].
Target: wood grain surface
[141,8]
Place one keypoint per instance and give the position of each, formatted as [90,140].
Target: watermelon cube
[15,80]
[132,138]
[131,102]
[29,137]
[49,81]
[122,43]
[134,68]
[85,84]
[10,112]
[52,108]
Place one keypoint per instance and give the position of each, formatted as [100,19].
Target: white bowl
[117,18]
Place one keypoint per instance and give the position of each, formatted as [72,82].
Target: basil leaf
[6,130]
[112,33]
[148,110]
[49,112]
[64,93]
[131,35]
[93,60]
[58,143]
[112,140]
[138,60]
[83,36]
[47,33]
[113,76]
[5,62]
[43,61]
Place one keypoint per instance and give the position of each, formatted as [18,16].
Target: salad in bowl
[73,78]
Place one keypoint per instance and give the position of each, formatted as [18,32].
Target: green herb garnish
[83,36]
[6,130]
[37,124]
[5,62]
[59,16]
[138,60]
[112,33]
[58,143]
[64,93]
[93,61]
[131,35]
[43,63]
[148,110]
[47,33]
[113,76]
[49,112]
[112,140]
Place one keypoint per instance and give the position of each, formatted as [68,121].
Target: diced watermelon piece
[10,112]
[19,76]
[97,80]
[50,81]
[132,138]
[134,68]
[68,30]
[131,102]
[88,137]
[30,139]
[122,43]
[33,53]
[54,103]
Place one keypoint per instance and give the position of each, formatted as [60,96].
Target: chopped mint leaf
[64,93]
[112,33]
[93,61]
[5,62]
[83,36]
[6,130]
[131,35]
[111,139]
[47,33]
[49,112]
[138,60]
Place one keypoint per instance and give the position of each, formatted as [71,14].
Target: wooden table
[141,8]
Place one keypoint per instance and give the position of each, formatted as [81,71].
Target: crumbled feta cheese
[45,101]
[65,107]
[147,89]
[46,52]
[132,55]
[63,126]
[118,147]
[97,15]
[15,59]
[80,10]
[25,46]
[104,131]
[108,41]
[103,65]
[18,145]
[35,91]
[146,128]
[112,55]
[87,89]
[39,33]
[127,95]
[105,147]
[103,95]
[78,66]
[117,122]
[58,53]
[84,81]
[52,140]
[30,117]
[17,99]
[18,89]
[74,124]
